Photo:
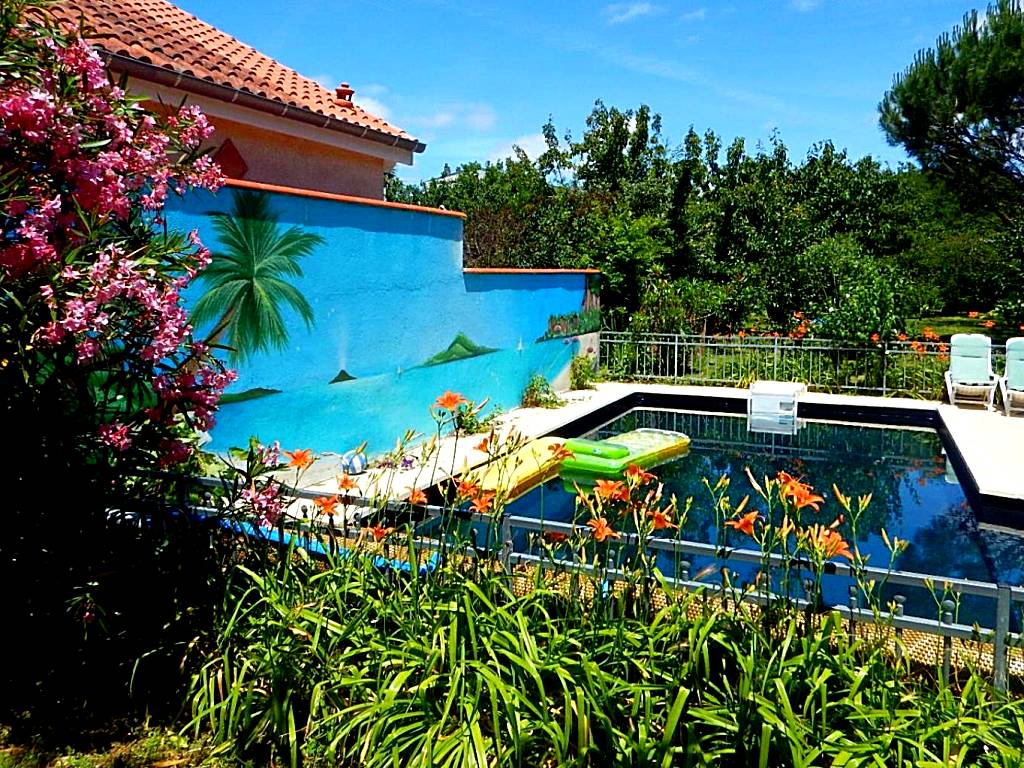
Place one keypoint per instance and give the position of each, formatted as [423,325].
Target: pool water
[916,496]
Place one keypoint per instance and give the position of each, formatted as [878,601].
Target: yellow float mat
[520,471]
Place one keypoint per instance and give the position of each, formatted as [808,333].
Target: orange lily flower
[346,483]
[828,542]
[746,523]
[799,493]
[379,532]
[875,338]
[327,504]
[467,489]
[482,503]
[559,452]
[301,459]
[555,537]
[989,324]
[416,496]
[611,489]
[972,315]
[449,401]
[634,472]
[661,519]
[484,445]
[601,529]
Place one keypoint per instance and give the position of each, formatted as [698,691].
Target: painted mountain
[460,348]
[342,376]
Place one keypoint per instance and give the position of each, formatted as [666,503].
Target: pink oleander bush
[101,380]
[90,286]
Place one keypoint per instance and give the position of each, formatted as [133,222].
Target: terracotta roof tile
[159,33]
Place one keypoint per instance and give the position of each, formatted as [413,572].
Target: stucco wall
[290,161]
[388,293]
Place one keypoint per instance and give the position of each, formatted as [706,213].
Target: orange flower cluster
[639,475]
[827,542]
[989,324]
[416,496]
[802,328]
[601,530]
[560,453]
[612,490]
[800,494]
[327,504]
[379,532]
[300,459]
[449,401]
[745,524]
[972,315]
[346,483]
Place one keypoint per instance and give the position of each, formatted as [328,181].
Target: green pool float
[608,459]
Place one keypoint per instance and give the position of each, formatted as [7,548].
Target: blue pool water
[916,496]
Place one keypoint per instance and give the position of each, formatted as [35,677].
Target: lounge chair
[1011,385]
[970,379]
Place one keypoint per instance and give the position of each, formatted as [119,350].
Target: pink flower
[116,436]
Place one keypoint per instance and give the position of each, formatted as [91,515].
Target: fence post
[853,613]
[899,600]
[506,545]
[675,357]
[947,641]
[885,368]
[775,360]
[1002,629]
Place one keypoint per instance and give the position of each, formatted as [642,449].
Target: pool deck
[990,443]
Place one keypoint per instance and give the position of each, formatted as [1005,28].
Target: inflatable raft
[520,471]
[608,459]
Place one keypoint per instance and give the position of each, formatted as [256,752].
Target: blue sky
[473,78]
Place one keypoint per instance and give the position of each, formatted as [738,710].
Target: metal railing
[907,368]
[499,540]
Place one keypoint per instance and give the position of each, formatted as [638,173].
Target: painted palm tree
[247,280]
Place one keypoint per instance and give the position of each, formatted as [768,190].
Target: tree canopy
[958,109]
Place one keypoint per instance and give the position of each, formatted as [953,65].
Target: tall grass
[341,662]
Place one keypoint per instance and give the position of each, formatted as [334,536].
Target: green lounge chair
[1011,384]
[970,378]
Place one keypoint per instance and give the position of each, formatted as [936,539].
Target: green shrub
[539,394]
[581,372]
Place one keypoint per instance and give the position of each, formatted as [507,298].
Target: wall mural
[586,320]
[346,320]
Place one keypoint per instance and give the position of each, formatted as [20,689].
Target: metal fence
[994,639]
[905,368]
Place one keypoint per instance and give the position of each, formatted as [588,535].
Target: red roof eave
[200,87]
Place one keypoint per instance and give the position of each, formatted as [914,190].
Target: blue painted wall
[387,291]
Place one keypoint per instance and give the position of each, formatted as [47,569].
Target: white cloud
[698,15]
[619,13]
[805,5]
[373,89]
[481,117]
[532,144]
[373,106]
[435,120]
[473,116]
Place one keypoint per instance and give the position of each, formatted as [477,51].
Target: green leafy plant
[539,394]
[581,372]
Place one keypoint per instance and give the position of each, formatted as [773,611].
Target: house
[273,125]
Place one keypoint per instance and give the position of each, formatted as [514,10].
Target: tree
[246,285]
[959,108]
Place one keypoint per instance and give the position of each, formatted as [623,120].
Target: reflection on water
[905,470]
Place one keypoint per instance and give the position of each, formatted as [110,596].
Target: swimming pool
[916,495]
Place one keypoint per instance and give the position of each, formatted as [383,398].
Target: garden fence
[992,642]
[892,368]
